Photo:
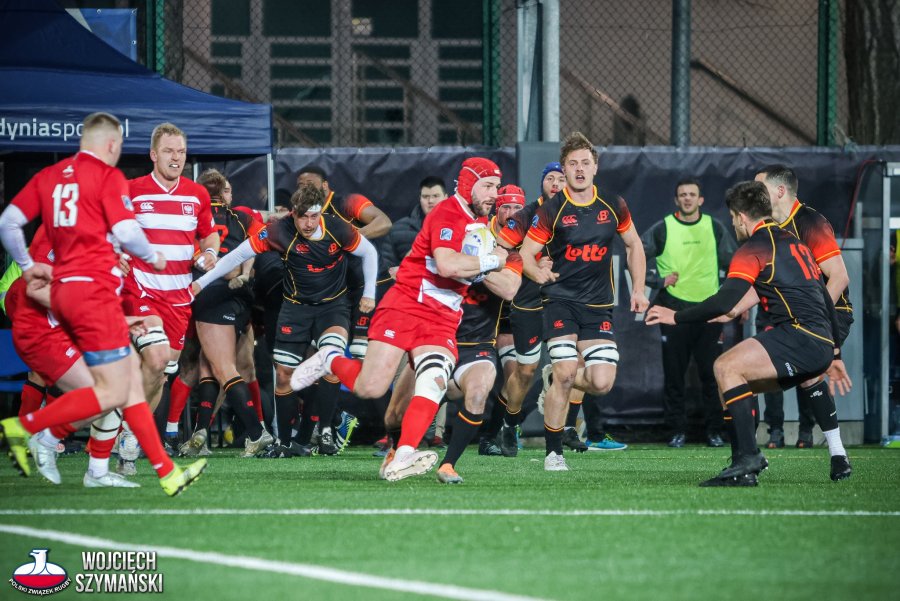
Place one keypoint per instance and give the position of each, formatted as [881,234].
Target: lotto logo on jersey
[146,207]
[588,252]
[603,217]
[187,208]
[569,220]
[446,234]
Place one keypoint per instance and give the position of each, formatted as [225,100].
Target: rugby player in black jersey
[314,247]
[576,230]
[798,347]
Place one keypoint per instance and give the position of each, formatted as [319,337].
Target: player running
[798,347]
[83,200]
[314,247]
[575,229]
[419,315]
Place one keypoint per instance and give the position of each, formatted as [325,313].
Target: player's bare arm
[539,271]
[504,283]
[835,271]
[209,252]
[452,264]
[377,222]
[637,267]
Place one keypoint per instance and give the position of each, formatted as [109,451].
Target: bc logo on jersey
[446,234]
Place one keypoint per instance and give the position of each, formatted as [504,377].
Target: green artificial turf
[698,548]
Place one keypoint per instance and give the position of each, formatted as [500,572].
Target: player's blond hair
[576,141]
[100,121]
[165,129]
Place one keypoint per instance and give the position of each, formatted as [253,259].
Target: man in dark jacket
[400,238]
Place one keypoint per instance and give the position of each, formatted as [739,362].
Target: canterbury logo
[570,220]
[588,252]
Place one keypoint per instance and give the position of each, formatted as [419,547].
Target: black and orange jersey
[232,226]
[349,208]
[787,279]
[481,309]
[578,237]
[816,232]
[513,232]
[315,271]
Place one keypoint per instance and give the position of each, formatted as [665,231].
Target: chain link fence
[444,72]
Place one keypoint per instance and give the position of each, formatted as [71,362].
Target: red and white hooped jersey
[418,278]
[172,220]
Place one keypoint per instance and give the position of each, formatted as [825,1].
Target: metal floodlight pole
[681,73]
[550,51]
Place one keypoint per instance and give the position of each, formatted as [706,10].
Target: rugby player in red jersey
[83,201]
[173,211]
[419,315]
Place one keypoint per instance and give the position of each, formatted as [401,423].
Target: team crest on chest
[187,208]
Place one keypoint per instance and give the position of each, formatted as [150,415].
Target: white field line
[456,512]
[446,591]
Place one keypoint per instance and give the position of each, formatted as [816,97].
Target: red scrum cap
[474,169]
[510,194]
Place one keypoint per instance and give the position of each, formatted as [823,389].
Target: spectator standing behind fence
[690,248]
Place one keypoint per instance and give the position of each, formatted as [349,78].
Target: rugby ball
[478,242]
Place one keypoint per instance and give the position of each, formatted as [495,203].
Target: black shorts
[562,317]
[219,304]
[299,325]
[797,356]
[527,328]
[470,354]
[359,319]
[844,321]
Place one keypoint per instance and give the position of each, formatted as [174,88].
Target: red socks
[257,400]
[140,420]
[32,397]
[347,370]
[416,420]
[71,407]
[178,396]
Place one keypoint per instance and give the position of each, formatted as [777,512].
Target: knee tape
[155,335]
[282,357]
[532,356]
[562,350]
[600,354]
[171,368]
[358,348]
[432,375]
[507,354]
[106,427]
[333,340]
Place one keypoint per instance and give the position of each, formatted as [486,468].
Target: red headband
[510,194]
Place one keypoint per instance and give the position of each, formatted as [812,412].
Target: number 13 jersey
[79,198]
